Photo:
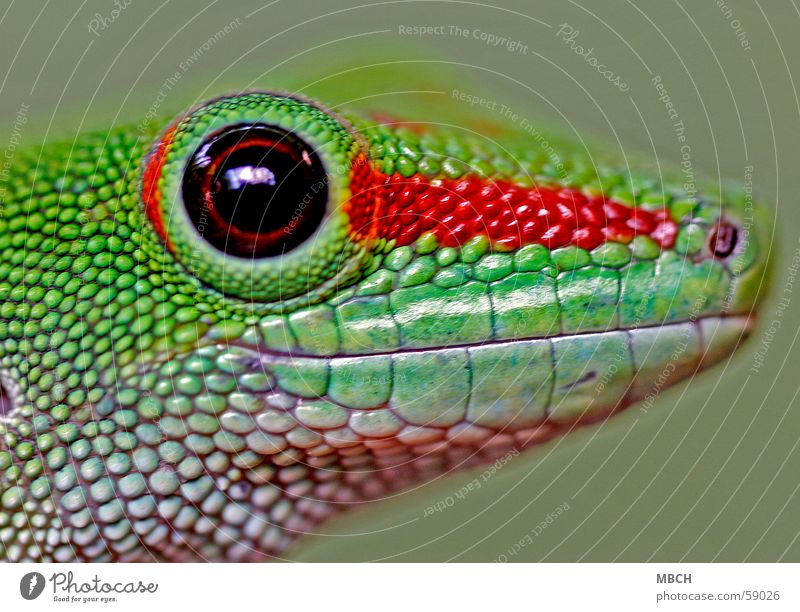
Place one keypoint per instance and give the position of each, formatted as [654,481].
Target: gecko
[221,331]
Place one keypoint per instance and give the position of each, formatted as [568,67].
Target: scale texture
[461,299]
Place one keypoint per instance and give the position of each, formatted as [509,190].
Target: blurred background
[710,472]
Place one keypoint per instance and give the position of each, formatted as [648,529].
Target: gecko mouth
[266,400]
[503,385]
[743,323]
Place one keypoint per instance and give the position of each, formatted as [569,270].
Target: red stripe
[455,210]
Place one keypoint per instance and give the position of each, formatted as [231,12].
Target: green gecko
[220,333]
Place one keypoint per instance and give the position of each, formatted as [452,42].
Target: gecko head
[212,340]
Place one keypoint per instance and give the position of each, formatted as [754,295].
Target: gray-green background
[711,472]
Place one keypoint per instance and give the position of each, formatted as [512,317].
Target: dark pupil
[255,191]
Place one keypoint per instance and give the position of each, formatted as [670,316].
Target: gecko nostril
[723,239]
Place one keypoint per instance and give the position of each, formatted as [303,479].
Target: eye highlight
[251,194]
[255,191]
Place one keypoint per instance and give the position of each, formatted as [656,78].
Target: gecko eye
[251,194]
[723,239]
[255,191]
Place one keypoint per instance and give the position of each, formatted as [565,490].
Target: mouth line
[748,322]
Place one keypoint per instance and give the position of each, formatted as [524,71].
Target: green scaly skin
[172,403]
